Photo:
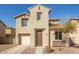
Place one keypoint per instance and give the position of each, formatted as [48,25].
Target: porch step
[39,50]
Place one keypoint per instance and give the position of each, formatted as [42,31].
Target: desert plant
[48,49]
[69,26]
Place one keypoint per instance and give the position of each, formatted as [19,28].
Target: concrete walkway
[39,50]
[14,50]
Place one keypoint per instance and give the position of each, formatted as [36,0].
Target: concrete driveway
[18,49]
[22,49]
[14,50]
[6,46]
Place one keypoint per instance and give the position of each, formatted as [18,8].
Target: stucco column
[67,40]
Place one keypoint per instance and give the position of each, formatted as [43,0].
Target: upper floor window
[24,22]
[38,15]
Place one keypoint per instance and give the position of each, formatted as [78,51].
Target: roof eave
[3,23]
[21,15]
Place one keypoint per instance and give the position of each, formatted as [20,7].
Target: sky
[61,11]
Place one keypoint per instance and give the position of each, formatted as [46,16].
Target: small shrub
[48,49]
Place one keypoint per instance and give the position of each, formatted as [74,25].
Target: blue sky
[63,12]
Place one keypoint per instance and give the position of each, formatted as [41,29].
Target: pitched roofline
[74,19]
[71,20]
[9,28]
[3,23]
[21,15]
[39,5]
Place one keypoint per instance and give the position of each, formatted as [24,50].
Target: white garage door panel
[26,40]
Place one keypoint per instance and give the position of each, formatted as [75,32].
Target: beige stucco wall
[75,34]
[52,37]
[34,24]
[7,31]
[20,29]
[10,31]
[10,35]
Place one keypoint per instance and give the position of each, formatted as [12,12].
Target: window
[58,35]
[24,22]
[38,16]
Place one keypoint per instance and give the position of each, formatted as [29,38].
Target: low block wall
[59,44]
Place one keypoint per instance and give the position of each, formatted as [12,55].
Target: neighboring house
[2,31]
[6,34]
[10,35]
[36,29]
[56,37]
[74,35]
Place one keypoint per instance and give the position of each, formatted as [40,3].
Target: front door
[38,38]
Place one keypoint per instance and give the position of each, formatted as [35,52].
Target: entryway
[38,41]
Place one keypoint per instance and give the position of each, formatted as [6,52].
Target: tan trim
[20,40]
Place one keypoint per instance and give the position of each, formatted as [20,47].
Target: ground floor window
[58,35]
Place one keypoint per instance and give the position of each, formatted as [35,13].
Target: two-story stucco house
[7,34]
[34,29]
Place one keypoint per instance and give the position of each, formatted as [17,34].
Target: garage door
[26,40]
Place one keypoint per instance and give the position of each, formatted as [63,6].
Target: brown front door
[38,38]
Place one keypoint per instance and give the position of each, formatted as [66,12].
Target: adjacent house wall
[6,34]
[52,37]
[2,30]
[10,35]
[74,35]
